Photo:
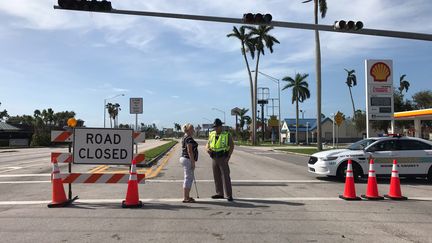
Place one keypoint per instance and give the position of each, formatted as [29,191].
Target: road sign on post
[103,146]
[136,105]
[339,118]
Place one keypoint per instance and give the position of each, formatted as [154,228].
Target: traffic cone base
[62,204]
[349,198]
[372,198]
[396,198]
[125,205]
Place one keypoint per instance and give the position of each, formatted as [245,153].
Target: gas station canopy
[425,114]
[417,116]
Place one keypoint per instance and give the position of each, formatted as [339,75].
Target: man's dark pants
[221,174]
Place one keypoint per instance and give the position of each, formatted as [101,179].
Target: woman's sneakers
[190,200]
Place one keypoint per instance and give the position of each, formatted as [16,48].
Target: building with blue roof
[307,131]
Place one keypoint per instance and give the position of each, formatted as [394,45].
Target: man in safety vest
[220,147]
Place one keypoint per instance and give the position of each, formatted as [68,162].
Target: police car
[414,157]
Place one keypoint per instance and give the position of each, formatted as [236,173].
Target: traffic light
[350,25]
[258,18]
[85,5]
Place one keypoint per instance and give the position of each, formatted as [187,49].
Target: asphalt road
[276,200]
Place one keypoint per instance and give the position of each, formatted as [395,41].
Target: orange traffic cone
[132,197]
[58,194]
[349,192]
[372,186]
[395,189]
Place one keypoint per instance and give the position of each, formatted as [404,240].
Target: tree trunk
[110,121]
[318,77]
[251,89]
[297,120]
[352,101]
[255,95]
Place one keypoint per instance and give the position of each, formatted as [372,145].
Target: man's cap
[217,123]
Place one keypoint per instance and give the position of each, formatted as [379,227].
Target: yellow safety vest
[222,144]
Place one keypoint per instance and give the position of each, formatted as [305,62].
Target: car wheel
[429,175]
[341,171]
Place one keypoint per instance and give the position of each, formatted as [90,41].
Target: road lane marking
[162,165]
[23,182]
[149,180]
[19,168]
[97,168]
[200,200]
[45,161]
[243,181]
[24,175]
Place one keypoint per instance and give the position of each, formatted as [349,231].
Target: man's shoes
[217,196]
[230,199]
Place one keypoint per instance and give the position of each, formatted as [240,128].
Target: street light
[302,111]
[216,109]
[105,100]
[278,83]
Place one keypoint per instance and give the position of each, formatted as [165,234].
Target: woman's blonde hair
[186,127]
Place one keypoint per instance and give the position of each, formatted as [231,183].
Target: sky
[188,70]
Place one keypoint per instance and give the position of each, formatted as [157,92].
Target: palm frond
[323,7]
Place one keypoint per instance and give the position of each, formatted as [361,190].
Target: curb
[150,163]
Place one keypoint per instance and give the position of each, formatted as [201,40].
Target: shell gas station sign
[379,89]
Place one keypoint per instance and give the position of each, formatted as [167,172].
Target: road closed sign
[103,146]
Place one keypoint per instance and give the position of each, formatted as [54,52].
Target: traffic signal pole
[292,25]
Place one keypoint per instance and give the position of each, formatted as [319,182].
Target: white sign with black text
[103,146]
[136,105]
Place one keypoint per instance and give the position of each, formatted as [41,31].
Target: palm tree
[3,114]
[243,117]
[351,81]
[403,84]
[177,127]
[322,4]
[113,110]
[300,93]
[247,44]
[261,39]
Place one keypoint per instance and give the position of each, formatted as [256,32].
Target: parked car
[413,155]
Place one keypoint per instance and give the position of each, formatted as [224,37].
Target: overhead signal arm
[350,27]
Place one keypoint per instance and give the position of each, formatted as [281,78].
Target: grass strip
[308,151]
[155,152]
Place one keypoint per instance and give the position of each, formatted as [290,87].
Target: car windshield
[361,144]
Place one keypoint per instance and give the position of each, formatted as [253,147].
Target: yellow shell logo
[380,72]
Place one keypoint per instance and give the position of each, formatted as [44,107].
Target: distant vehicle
[413,155]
